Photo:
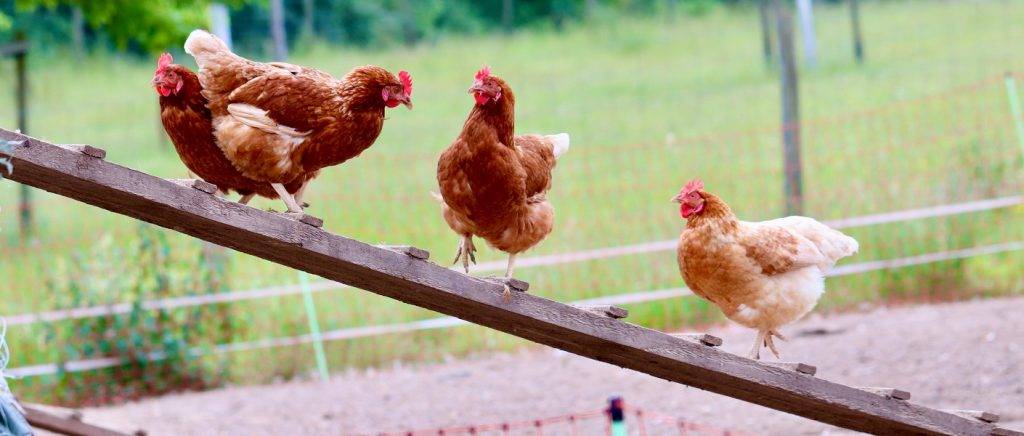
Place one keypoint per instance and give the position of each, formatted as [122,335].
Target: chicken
[188,123]
[276,122]
[493,184]
[763,275]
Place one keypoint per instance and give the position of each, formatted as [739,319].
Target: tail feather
[202,44]
[559,143]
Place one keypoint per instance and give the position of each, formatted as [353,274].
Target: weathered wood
[409,250]
[199,184]
[424,284]
[790,92]
[980,415]
[614,312]
[704,338]
[1000,431]
[889,393]
[72,426]
[88,150]
[306,219]
[513,283]
[801,368]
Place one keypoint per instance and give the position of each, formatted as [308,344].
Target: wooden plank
[614,312]
[72,426]
[889,393]
[704,338]
[1000,431]
[424,284]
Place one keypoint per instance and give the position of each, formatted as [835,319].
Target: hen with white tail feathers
[763,275]
[277,122]
[494,183]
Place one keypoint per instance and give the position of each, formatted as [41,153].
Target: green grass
[649,106]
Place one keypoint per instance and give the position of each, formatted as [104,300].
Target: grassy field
[649,104]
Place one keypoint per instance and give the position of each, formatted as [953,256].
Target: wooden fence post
[766,32]
[858,43]
[790,110]
[508,14]
[21,95]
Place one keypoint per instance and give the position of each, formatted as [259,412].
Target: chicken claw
[466,252]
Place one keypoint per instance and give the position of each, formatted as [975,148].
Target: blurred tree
[149,26]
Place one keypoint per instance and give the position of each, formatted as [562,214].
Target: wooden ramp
[79,172]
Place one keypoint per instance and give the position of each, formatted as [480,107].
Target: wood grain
[71,426]
[396,275]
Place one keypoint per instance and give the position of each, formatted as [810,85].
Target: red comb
[694,185]
[484,73]
[165,60]
[406,82]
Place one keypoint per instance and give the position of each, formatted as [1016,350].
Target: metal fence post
[616,417]
[1015,110]
[790,111]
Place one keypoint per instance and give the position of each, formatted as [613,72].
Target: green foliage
[158,347]
[148,25]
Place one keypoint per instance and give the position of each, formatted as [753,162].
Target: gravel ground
[960,355]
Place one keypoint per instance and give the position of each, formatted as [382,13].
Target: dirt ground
[956,356]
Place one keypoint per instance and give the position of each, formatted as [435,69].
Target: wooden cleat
[614,312]
[980,415]
[889,393]
[802,368]
[88,150]
[704,338]
[409,250]
[514,284]
[198,184]
[305,219]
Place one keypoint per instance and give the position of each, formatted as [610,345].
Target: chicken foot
[765,339]
[507,294]
[246,198]
[466,252]
[293,206]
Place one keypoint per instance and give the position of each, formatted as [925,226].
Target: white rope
[5,357]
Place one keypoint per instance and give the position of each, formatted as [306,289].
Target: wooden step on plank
[802,368]
[88,150]
[704,338]
[198,184]
[408,250]
[1002,431]
[304,218]
[980,415]
[888,392]
[608,310]
[513,283]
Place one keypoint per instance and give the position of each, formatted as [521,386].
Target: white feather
[257,118]
[559,143]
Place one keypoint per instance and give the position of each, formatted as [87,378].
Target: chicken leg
[246,198]
[288,199]
[466,252]
[507,294]
[764,339]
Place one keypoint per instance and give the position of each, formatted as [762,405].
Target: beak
[677,199]
[407,102]
[475,88]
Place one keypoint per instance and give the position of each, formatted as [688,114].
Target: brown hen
[276,122]
[188,123]
[494,184]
